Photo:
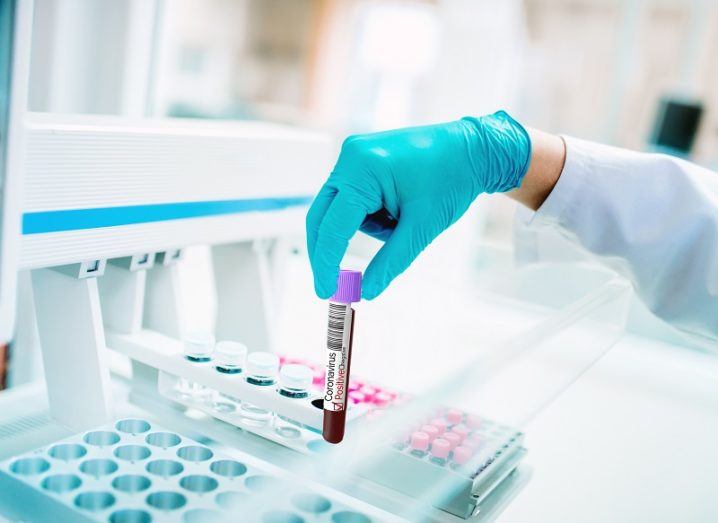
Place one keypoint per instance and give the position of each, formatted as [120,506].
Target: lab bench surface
[635,439]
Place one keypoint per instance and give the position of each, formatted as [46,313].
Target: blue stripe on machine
[95,218]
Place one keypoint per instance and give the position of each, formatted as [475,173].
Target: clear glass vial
[198,348]
[294,383]
[262,370]
[229,358]
[295,380]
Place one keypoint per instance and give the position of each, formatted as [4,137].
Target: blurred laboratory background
[641,74]
[598,69]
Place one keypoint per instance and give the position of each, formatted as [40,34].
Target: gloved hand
[405,187]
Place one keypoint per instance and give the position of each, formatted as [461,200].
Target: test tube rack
[298,438]
[135,471]
[461,490]
[166,355]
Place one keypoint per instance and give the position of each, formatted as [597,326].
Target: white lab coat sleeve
[649,217]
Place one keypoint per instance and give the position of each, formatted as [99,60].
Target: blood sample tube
[339,347]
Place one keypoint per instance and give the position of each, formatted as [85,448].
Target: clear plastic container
[294,383]
[229,358]
[262,368]
[198,348]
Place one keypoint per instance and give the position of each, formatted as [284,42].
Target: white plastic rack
[166,354]
[135,471]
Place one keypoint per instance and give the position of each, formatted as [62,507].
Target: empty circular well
[195,453]
[281,516]
[60,483]
[29,466]
[261,483]
[132,452]
[132,426]
[166,500]
[198,483]
[94,501]
[347,516]
[163,439]
[203,515]
[130,516]
[232,500]
[228,468]
[101,438]
[131,483]
[164,467]
[98,467]
[309,502]
[288,432]
[67,451]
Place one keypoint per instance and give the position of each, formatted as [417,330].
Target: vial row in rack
[260,368]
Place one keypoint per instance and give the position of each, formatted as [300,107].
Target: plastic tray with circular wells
[133,471]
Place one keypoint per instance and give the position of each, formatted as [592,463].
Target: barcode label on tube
[338,334]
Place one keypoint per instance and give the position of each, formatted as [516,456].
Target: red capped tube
[340,333]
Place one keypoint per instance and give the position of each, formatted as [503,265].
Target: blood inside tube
[336,386]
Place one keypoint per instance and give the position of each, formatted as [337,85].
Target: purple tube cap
[348,287]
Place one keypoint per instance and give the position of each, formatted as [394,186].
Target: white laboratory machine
[225,426]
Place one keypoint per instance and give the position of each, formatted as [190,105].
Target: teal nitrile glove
[405,187]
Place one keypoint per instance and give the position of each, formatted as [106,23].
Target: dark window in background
[676,125]
[3,366]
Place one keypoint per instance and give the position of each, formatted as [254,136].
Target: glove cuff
[503,149]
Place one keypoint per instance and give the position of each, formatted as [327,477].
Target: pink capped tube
[356,396]
[419,442]
[453,438]
[462,432]
[462,455]
[440,448]
[473,421]
[368,391]
[440,424]
[431,431]
[381,400]
[454,416]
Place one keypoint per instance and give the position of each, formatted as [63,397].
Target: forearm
[548,155]
[645,215]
